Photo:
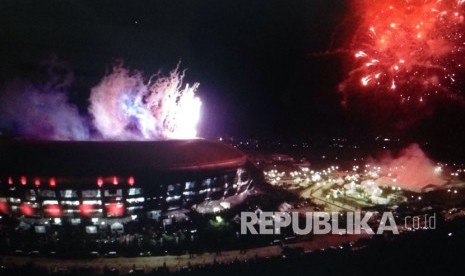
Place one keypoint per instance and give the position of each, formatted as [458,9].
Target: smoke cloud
[40,109]
[123,106]
[411,169]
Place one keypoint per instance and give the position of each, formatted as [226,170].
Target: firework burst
[412,49]
[126,106]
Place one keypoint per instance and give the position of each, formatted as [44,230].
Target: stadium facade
[92,182]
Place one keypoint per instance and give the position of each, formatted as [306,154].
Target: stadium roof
[64,158]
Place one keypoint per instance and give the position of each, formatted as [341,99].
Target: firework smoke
[411,169]
[123,106]
[41,109]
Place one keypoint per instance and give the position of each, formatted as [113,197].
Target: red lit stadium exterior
[75,182]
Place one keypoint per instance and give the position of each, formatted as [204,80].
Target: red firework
[409,48]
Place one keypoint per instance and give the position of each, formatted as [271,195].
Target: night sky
[258,62]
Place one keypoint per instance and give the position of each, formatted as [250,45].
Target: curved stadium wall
[82,182]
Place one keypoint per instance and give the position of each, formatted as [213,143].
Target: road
[175,263]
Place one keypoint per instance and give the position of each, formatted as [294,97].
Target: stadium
[99,184]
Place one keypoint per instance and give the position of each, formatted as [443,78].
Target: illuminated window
[113,193]
[134,191]
[135,200]
[31,195]
[91,229]
[92,202]
[188,193]
[190,185]
[68,193]
[49,202]
[91,193]
[70,202]
[204,190]
[47,193]
[40,229]
[14,200]
[134,209]
[88,210]
[70,212]
[172,198]
[206,182]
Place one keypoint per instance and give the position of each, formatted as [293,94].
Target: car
[111,254]
[52,254]
[276,242]
[145,254]
[290,239]
[94,254]
[18,252]
[33,253]
[137,271]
